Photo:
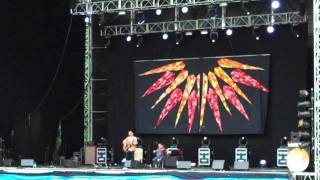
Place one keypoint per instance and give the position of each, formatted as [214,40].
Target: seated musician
[129,145]
[159,152]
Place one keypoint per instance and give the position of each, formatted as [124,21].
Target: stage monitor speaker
[27,162]
[241,165]
[218,164]
[127,163]
[184,164]
[170,162]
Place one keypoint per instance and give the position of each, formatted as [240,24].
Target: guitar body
[126,147]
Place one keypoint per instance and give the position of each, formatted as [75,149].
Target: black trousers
[130,155]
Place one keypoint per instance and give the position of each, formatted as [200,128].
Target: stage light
[275,4]
[141,18]
[158,11]
[255,33]
[229,32]
[263,163]
[284,141]
[295,31]
[243,142]
[303,93]
[270,29]
[213,36]
[174,142]
[205,142]
[139,42]
[184,9]
[179,38]
[86,19]
[128,38]
[302,123]
[165,36]
[189,33]
[121,13]
[203,32]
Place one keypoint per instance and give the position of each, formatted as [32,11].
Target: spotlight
[165,36]
[179,38]
[256,34]
[188,33]
[263,163]
[121,13]
[86,19]
[158,11]
[270,29]
[128,38]
[284,141]
[174,142]
[303,93]
[184,9]
[295,31]
[275,4]
[141,18]
[302,123]
[243,142]
[244,8]
[213,36]
[203,32]
[229,32]
[205,142]
[139,42]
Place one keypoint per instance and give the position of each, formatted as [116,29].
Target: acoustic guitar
[127,146]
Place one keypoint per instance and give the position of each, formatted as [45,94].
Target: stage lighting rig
[229,32]
[256,33]
[241,160]
[174,142]
[213,36]
[270,29]
[282,152]
[179,38]
[275,4]
[139,41]
[165,36]
[128,38]
[158,11]
[204,152]
[295,31]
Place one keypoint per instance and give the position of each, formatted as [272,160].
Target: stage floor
[83,173]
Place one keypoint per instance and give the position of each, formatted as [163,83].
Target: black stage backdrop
[288,74]
[146,118]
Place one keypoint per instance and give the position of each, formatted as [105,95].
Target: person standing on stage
[129,145]
[159,152]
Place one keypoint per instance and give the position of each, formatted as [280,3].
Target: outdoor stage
[14,173]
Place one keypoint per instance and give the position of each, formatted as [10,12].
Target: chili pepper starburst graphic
[207,85]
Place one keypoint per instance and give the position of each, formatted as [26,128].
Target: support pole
[87,134]
[316,82]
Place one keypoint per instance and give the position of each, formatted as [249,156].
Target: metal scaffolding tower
[88,116]
[316,81]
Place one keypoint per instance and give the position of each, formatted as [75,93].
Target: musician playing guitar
[129,145]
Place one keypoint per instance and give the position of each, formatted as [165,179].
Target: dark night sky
[33,34]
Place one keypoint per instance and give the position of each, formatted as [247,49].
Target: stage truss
[88,8]
[316,82]
[100,7]
[205,24]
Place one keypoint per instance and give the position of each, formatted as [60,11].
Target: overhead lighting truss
[100,7]
[205,24]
